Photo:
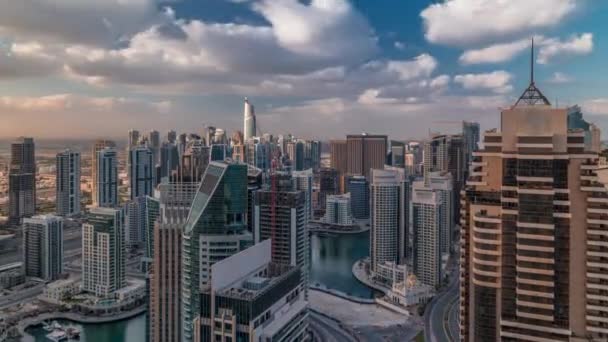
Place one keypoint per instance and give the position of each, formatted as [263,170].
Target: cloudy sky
[314,68]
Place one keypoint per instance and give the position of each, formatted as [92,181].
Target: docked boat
[57,336]
[73,333]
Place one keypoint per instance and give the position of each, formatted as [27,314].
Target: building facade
[43,247]
[216,228]
[249,124]
[97,146]
[107,178]
[141,172]
[337,210]
[67,183]
[388,235]
[22,180]
[535,221]
[103,252]
[427,221]
[364,153]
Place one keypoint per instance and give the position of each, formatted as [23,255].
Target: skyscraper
[107,178]
[328,184]
[97,146]
[358,187]
[302,181]
[470,136]
[141,172]
[442,184]
[67,183]
[166,276]
[215,229]
[249,127]
[295,151]
[43,247]
[427,220]
[172,137]
[103,252]
[388,239]
[22,180]
[281,215]
[364,153]
[133,139]
[534,249]
[339,156]
[154,144]
[169,159]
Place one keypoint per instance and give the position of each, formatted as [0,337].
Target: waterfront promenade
[78,318]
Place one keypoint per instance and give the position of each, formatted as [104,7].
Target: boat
[57,336]
[47,326]
[73,333]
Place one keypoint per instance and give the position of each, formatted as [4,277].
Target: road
[438,327]
[21,296]
[327,330]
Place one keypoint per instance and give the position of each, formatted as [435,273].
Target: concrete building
[303,181]
[166,276]
[107,178]
[365,152]
[534,226]
[21,180]
[169,159]
[154,145]
[216,228]
[141,172]
[339,156]
[337,210]
[358,187]
[103,252]
[43,247]
[67,183]
[427,220]
[328,184]
[133,139]
[250,298]
[97,146]
[249,123]
[442,184]
[388,234]
[288,229]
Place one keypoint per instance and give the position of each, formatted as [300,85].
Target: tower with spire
[532,95]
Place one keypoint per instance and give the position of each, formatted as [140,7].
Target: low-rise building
[11,275]
[134,290]
[60,290]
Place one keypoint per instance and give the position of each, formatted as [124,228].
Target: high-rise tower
[97,146]
[249,129]
[534,227]
[67,183]
[43,246]
[22,180]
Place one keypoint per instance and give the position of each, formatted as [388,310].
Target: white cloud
[421,66]
[399,45]
[466,22]
[559,78]
[554,48]
[596,106]
[324,28]
[496,81]
[497,53]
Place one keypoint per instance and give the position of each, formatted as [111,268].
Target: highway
[20,296]
[438,325]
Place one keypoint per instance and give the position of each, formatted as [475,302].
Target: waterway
[131,330]
[332,258]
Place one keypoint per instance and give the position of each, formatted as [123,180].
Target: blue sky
[315,68]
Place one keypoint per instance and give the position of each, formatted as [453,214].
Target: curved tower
[249,127]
